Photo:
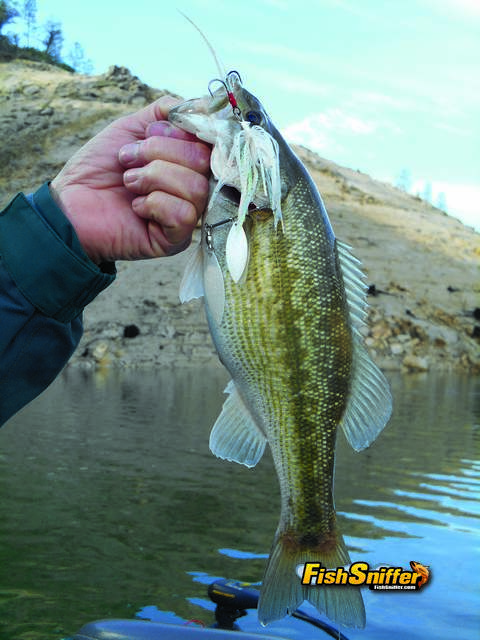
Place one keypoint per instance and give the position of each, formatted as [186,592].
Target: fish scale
[285,304]
[304,404]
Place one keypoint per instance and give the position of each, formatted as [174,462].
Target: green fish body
[288,331]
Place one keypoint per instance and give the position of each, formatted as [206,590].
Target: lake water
[111,504]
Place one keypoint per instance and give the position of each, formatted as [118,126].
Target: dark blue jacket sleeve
[46,280]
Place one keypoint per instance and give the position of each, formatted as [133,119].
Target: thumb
[158,110]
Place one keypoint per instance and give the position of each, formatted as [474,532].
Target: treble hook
[234,73]
[231,98]
[216,80]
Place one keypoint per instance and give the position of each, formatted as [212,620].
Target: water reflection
[111,499]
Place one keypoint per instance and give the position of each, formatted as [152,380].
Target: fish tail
[282,591]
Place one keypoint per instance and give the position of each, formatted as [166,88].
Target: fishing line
[220,67]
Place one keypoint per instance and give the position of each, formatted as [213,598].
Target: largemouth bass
[285,302]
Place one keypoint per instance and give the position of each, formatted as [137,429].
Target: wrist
[61,198]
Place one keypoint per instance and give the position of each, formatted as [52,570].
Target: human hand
[149,210]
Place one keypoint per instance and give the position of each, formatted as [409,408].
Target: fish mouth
[233,195]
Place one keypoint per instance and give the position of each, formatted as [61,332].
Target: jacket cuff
[42,253]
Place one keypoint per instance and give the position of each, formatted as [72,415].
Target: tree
[442,201]
[427,192]
[77,59]
[29,15]
[7,13]
[404,181]
[54,39]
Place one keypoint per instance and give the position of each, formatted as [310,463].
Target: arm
[45,281]
[57,247]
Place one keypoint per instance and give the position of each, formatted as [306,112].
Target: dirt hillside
[422,267]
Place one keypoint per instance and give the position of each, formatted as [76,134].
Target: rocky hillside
[422,267]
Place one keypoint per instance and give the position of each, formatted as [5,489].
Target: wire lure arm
[209,231]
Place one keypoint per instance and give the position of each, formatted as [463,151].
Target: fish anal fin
[235,435]
[282,591]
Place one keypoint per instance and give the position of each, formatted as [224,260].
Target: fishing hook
[216,80]
[236,110]
[231,98]
[234,73]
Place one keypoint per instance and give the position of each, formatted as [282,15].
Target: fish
[423,572]
[285,302]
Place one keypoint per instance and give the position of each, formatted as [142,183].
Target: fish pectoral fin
[370,403]
[235,435]
[191,286]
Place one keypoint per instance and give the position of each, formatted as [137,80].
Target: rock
[131,331]
[415,363]
[31,90]
[99,351]
[410,255]
[441,336]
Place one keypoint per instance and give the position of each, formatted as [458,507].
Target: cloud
[458,8]
[457,131]
[321,131]
[301,85]
[307,134]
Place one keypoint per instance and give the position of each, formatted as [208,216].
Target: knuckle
[197,156]
[152,171]
[150,203]
[187,214]
[149,148]
[203,156]
[199,188]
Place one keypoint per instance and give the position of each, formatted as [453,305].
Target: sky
[389,88]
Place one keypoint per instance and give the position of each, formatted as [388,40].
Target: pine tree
[54,39]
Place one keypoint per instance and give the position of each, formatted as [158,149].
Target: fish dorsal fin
[370,403]
[235,435]
[191,286]
[355,287]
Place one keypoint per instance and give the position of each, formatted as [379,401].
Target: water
[112,505]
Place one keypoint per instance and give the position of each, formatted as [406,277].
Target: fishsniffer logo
[359,574]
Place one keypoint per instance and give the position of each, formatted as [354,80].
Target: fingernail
[167,130]
[130,176]
[137,204]
[169,102]
[160,128]
[129,153]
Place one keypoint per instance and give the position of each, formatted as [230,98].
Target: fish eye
[254,117]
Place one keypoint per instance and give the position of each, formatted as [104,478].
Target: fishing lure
[252,166]
[249,162]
